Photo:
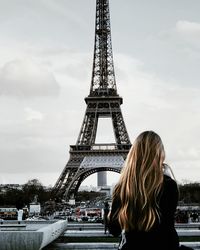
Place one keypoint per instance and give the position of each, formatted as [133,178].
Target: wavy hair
[140,183]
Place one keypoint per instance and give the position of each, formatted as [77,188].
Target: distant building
[34,209]
[105,189]
[102,179]
[8,213]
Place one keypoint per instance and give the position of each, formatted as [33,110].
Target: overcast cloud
[46,58]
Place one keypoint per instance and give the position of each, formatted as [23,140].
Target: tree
[31,189]
[189,192]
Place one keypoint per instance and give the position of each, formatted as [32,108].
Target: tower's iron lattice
[86,157]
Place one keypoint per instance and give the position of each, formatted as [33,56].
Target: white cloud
[189,32]
[166,107]
[188,28]
[57,9]
[26,78]
[189,153]
[142,88]
[32,115]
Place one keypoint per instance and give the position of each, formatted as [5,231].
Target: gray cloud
[25,78]
[188,28]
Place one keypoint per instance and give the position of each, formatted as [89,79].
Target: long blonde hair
[140,183]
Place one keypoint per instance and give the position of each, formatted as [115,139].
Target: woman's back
[162,235]
[145,199]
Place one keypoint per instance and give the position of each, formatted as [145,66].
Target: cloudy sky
[46,52]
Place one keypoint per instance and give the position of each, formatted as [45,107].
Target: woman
[106,212]
[145,199]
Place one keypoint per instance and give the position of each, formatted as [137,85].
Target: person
[19,206]
[106,212]
[145,198]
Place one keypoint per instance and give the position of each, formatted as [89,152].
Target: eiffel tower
[103,101]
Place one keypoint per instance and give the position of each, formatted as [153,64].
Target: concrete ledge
[109,246]
[13,240]
[84,246]
[11,227]
[85,226]
[52,232]
[100,233]
[27,222]
[86,233]
[188,232]
[195,245]
[32,240]
[99,226]
[191,225]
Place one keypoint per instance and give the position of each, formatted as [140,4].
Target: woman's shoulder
[169,182]
[168,178]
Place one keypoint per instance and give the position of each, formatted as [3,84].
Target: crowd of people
[187,216]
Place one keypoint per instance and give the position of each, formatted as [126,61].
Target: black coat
[163,235]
